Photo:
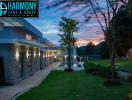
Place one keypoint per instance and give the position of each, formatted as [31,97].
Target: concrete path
[124,75]
[10,92]
[75,68]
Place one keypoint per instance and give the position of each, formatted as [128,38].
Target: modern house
[23,51]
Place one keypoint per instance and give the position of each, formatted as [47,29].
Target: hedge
[96,69]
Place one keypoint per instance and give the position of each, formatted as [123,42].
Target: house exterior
[23,51]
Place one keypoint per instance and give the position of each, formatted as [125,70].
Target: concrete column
[65,55]
[46,59]
[13,65]
[49,58]
[41,60]
[34,61]
[38,60]
[25,61]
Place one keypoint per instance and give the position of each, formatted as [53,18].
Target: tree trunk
[69,56]
[112,57]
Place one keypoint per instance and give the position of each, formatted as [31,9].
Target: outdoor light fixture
[75,57]
[65,56]
[34,54]
[39,54]
[17,54]
[75,65]
[43,56]
[27,54]
[55,57]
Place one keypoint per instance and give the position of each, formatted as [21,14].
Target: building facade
[23,51]
[74,62]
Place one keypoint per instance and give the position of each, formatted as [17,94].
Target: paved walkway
[10,92]
[75,68]
[124,75]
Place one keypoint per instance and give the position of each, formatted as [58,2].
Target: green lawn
[122,64]
[75,86]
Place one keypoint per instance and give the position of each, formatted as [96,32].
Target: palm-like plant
[68,27]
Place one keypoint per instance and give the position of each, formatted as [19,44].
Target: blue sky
[49,19]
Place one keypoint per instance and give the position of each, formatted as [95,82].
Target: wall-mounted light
[65,56]
[55,56]
[27,54]
[48,55]
[43,56]
[17,54]
[39,54]
[34,54]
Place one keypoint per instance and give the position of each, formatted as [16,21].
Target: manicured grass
[75,86]
[122,64]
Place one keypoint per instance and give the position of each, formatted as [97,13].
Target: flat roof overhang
[35,44]
[22,42]
[21,22]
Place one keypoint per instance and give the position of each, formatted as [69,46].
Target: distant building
[23,51]
[73,56]
[129,54]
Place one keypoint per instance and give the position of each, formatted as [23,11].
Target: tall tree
[68,27]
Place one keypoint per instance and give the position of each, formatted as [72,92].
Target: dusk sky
[48,23]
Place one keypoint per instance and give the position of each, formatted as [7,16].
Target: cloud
[48,23]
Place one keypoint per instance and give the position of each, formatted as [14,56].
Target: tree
[68,27]
[123,30]
[90,48]
[104,50]
[82,51]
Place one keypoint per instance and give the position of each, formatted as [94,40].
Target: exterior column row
[25,61]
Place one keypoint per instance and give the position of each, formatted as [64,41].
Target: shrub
[99,70]
[90,67]
[129,79]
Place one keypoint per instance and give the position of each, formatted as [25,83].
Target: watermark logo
[3,9]
[19,8]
